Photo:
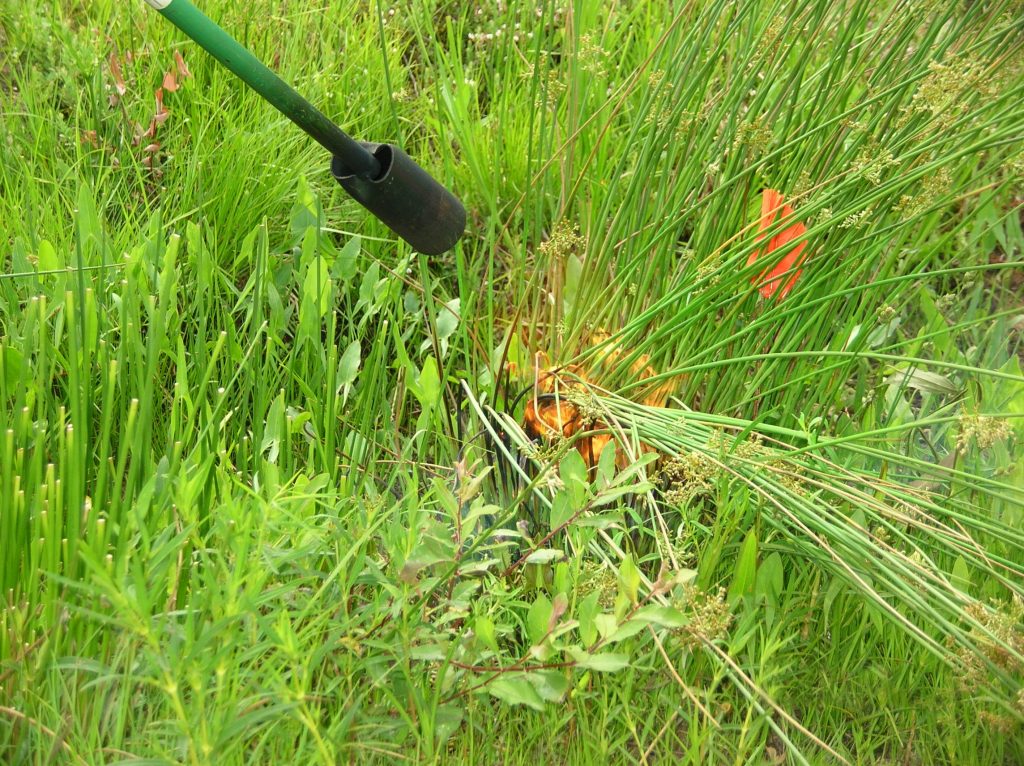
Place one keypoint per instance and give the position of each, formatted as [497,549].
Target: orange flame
[779,279]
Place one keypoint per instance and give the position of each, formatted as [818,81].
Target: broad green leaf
[606,624]
[483,627]
[299,420]
[429,384]
[20,259]
[588,610]
[87,218]
[858,518]
[961,575]
[464,592]
[770,579]
[316,287]
[573,472]
[273,428]
[478,566]
[612,494]
[875,614]
[516,690]
[348,365]
[663,616]
[13,366]
[923,380]
[605,662]
[561,580]
[883,332]
[551,685]
[370,288]
[346,264]
[447,720]
[635,467]
[558,608]
[606,465]
[629,579]
[46,257]
[445,497]
[835,588]
[471,487]
[622,606]
[683,576]
[561,508]
[448,318]
[430,652]
[537,619]
[628,629]
[545,556]
[602,521]
[746,568]
[477,511]
[305,213]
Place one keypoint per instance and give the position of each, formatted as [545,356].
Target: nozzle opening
[381,152]
[386,158]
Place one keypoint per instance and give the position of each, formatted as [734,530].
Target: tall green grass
[263,492]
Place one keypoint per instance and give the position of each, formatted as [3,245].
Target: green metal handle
[380,177]
[219,44]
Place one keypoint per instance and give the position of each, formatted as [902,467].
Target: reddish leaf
[161,115]
[115,71]
[180,63]
[170,84]
[119,85]
[558,608]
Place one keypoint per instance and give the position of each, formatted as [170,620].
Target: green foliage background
[260,472]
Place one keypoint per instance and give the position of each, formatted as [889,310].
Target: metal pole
[219,44]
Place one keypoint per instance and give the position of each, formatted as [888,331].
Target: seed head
[563,241]
[933,189]
[756,134]
[690,475]
[983,430]
[710,617]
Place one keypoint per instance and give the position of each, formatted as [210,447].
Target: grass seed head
[588,407]
[709,613]
[690,475]
[998,635]
[855,220]
[757,135]
[596,577]
[983,430]
[934,188]
[947,88]
[563,241]
[872,162]
[592,56]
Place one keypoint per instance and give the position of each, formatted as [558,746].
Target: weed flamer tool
[381,177]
